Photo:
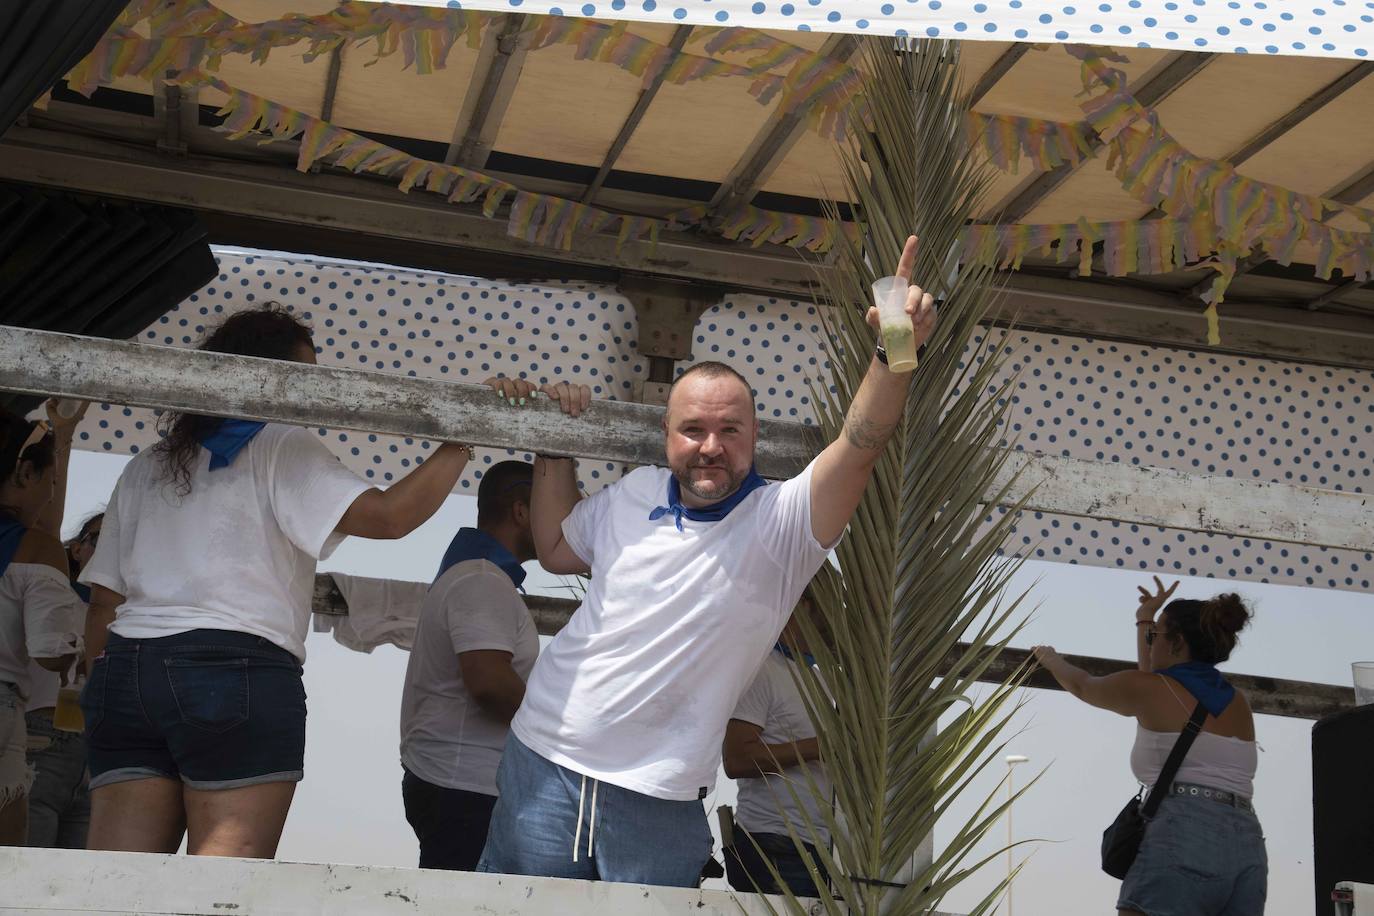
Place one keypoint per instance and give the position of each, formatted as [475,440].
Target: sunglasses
[1151,635]
[90,537]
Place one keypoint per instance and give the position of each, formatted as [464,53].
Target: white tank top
[1217,761]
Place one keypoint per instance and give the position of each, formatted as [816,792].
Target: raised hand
[1151,603]
[514,390]
[573,398]
[920,305]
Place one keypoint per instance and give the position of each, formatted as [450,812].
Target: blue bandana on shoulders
[11,534]
[475,544]
[711,513]
[227,439]
[1204,682]
[780,646]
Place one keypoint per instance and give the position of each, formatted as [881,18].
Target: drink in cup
[899,340]
[67,717]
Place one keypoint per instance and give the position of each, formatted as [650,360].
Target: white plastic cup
[899,340]
[1363,674]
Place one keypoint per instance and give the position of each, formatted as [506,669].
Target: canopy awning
[1325,28]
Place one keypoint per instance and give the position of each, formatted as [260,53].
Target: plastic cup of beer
[1363,673]
[899,340]
[66,716]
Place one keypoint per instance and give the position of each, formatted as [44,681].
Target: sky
[348,809]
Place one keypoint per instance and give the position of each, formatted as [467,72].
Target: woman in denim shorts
[1203,852]
[195,708]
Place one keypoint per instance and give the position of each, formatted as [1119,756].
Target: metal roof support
[118,372]
[1271,696]
[1336,292]
[1304,110]
[622,139]
[1000,68]
[668,311]
[1183,67]
[177,112]
[499,63]
[771,145]
[331,82]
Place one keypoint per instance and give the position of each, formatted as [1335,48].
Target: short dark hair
[14,432]
[711,369]
[1210,628]
[503,485]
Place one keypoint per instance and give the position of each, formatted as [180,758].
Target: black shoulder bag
[1121,841]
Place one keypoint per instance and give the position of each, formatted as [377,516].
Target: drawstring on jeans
[591,825]
[577,831]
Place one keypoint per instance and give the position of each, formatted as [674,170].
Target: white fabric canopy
[1320,28]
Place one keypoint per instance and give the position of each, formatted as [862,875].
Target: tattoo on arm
[865,434]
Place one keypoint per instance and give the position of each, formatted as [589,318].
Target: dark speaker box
[1342,801]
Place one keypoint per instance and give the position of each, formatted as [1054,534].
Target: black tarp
[40,40]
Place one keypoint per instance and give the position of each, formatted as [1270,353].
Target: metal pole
[1012,760]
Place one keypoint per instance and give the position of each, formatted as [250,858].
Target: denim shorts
[1199,857]
[215,709]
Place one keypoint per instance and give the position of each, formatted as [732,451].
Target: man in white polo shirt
[771,751]
[695,569]
[475,644]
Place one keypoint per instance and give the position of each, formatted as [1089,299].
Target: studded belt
[1189,790]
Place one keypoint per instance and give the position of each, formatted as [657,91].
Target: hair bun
[1226,612]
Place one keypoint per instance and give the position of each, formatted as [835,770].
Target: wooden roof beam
[331,82]
[1000,68]
[498,71]
[1183,67]
[772,144]
[622,139]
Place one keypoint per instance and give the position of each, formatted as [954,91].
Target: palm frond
[920,610]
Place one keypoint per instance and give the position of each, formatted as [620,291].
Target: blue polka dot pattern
[1200,413]
[412,323]
[1323,28]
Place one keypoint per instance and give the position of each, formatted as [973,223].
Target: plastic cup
[66,716]
[1363,673]
[889,295]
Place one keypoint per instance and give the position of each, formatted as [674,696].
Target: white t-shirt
[446,738]
[774,704]
[40,617]
[237,552]
[636,690]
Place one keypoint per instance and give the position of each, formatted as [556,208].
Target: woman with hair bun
[1203,851]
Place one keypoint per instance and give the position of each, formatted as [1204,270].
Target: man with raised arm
[695,569]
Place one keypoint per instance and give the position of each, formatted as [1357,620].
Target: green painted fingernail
[512,401]
[522,402]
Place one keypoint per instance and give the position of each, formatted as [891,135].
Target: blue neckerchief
[779,646]
[1204,682]
[227,439]
[712,513]
[82,591]
[11,533]
[475,544]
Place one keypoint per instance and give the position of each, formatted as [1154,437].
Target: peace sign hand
[1151,603]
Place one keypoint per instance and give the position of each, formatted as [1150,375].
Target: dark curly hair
[270,332]
[1210,628]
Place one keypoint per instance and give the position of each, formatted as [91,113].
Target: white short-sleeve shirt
[40,617]
[447,739]
[636,690]
[237,552]
[766,804]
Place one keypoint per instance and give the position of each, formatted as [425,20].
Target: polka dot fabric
[1316,28]
[1200,413]
[417,324]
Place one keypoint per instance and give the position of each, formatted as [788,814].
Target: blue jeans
[1198,858]
[552,822]
[59,802]
[215,709]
